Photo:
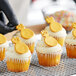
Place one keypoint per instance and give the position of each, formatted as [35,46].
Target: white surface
[34,16]
[20,8]
[73,75]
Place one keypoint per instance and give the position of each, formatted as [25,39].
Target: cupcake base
[2,54]
[18,65]
[71,51]
[48,59]
[31,47]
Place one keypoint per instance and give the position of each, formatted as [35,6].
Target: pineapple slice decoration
[25,32]
[2,39]
[20,47]
[74,25]
[54,26]
[49,19]
[74,29]
[50,41]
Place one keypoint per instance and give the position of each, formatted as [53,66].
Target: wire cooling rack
[67,67]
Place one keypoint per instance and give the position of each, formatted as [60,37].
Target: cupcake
[48,50]
[3,46]
[65,18]
[70,43]
[27,36]
[56,30]
[18,56]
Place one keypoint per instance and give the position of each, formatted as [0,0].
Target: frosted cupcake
[70,42]
[3,46]
[56,30]
[48,50]
[27,36]
[65,18]
[18,56]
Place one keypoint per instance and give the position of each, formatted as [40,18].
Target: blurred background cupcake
[48,50]
[18,56]
[65,18]
[3,46]
[64,15]
[27,36]
[56,30]
[70,43]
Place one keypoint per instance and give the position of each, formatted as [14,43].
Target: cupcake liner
[31,47]
[71,50]
[2,53]
[52,59]
[17,65]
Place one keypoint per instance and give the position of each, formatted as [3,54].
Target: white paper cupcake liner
[19,60]
[2,49]
[71,46]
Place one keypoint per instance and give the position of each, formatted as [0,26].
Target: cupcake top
[71,37]
[27,41]
[55,29]
[48,44]
[66,18]
[26,35]
[3,41]
[18,49]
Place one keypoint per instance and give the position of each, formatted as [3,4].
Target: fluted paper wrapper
[71,50]
[18,65]
[2,53]
[52,59]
